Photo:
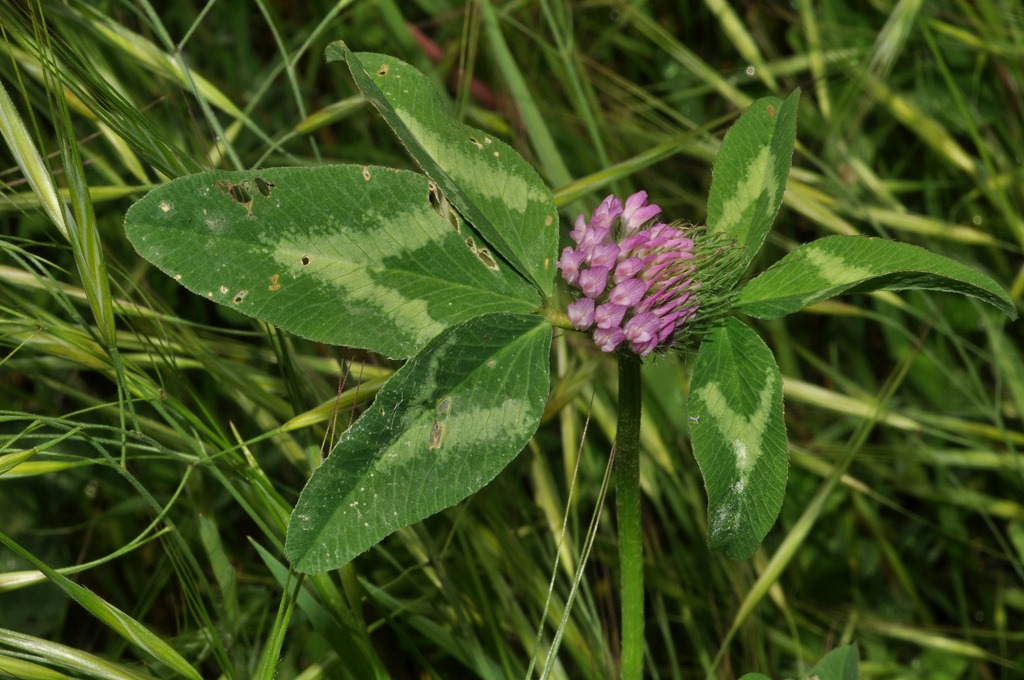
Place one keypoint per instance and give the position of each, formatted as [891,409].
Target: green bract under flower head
[641,279]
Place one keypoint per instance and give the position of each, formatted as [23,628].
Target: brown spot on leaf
[274,278]
[771,111]
[383,70]
[275,287]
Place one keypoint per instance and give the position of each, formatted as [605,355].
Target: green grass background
[167,469]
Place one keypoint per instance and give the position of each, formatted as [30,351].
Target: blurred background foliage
[159,441]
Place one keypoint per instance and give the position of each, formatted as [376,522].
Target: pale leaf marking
[758,179]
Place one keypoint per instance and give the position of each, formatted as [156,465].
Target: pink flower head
[638,283]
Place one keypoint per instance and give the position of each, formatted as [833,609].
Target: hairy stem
[627,495]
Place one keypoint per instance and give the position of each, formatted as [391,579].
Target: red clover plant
[362,256]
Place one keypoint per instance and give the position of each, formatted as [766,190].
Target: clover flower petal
[581,313]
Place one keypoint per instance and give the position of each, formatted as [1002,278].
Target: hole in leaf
[476,143]
[239,296]
[239,193]
[444,406]
[441,206]
[383,70]
[484,256]
[263,186]
[436,435]
[304,260]
[366,172]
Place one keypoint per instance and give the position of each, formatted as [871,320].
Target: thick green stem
[627,495]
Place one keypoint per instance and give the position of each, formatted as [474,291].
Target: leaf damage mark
[444,406]
[366,172]
[242,192]
[383,70]
[304,260]
[239,193]
[239,296]
[165,206]
[442,207]
[263,186]
[482,254]
[474,142]
[274,285]
[443,409]
[436,435]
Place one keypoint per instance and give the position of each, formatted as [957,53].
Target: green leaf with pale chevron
[750,172]
[346,255]
[499,193]
[854,264]
[739,436]
[444,426]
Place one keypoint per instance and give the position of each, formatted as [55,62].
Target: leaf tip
[337,51]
